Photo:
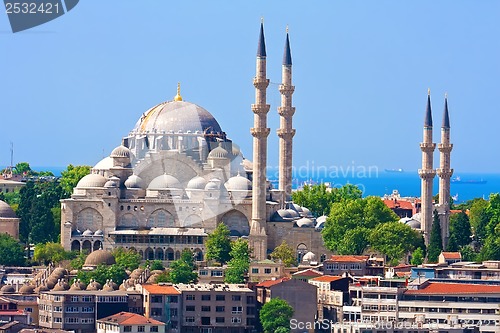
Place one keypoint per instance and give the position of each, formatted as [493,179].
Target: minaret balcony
[286,89]
[260,83]
[427,147]
[260,132]
[444,173]
[445,147]
[286,134]
[261,109]
[426,173]
[286,111]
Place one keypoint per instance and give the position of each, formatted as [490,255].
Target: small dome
[124,286]
[88,232]
[321,219]
[41,288]
[120,151]
[196,183]
[76,233]
[405,220]
[78,285]
[93,286]
[212,185]
[134,181]
[238,183]
[91,181]
[6,211]
[99,233]
[61,286]
[111,183]
[218,153]
[152,279]
[297,208]
[164,182]
[293,213]
[281,215]
[100,257]
[305,223]
[309,256]
[26,289]
[104,164]
[110,286]
[306,211]
[50,284]
[414,224]
[8,289]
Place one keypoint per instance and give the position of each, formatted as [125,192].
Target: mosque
[177,174]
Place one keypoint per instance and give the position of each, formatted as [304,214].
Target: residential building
[265,270]
[211,274]
[307,274]
[162,302]
[333,293]
[340,264]
[449,257]
[127,322]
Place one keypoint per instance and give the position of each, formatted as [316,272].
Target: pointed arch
[160,218]
[237,223]
[89,218]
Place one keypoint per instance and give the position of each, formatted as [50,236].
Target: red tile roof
[128,318]
[398,204]
[442,288]
[308,272]
[452,255]
[348,258]
[327,278]
[162,290]
[270,283]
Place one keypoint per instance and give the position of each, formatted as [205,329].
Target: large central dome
[175,117]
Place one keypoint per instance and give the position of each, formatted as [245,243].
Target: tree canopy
[240,262]
[435,240]
[395,240]
[275,314]
[285,253]
[103,273]
[11,252]
[182,270]
[127,258]
[71,176]
[51,252]
[218,244]
[460,231]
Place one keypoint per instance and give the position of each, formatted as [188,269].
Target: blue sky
[72,88]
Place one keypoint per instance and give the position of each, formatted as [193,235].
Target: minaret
[445,172]
[286,132]
[260,131]
[427,173]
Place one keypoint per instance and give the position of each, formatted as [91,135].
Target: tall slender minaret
[260,132]
[445,172]
[427,173]
[286,132]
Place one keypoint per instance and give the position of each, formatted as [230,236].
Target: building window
[203,272]
[267,271]
[174,299]
[250,300]
[57,308]
[235,320]
[219,319]
[217,273]
[74,298]
[156,311]
[156,299]
[237,310]
[205,308]
[236,298]
[190,308]
[86,298]
[255,271]
[57,320]
[189,319]
[205,320]
[205,297]
[220,297]
[153,329]
[190,297]
[220,309]
[141,328]
[87,309]
[127,329]
[173,312]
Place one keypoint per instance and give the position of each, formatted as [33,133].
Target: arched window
[89,218]
[129,221]
[237,223]
[301,250]
[193,221]
[160,219]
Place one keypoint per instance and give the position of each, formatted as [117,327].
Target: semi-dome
[305,223]
[100,257]
[212,185]
[134,181]
[281,215]
[238,183]
[104,164]
[196,183]
[6,211]
[297,208]
[120,152]
[218,152]
[41,288]
[164,182]
[91,181]
[177,116]
[414,224]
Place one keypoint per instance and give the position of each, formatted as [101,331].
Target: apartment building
[333,292]
[127,322]
[162,302]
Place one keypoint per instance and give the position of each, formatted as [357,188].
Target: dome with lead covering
[164,182]
[281,215]
[6,211]
[305,223]
[175,117]
[238,183]
[218,152]
[99,257]
[91,181]
[134,181]
[8,289]
[197,183]
[120,151]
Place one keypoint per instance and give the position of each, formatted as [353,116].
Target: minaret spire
[445,172]
[260,132]
[427,173]
[286,132]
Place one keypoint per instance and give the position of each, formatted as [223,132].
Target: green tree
[11,252]
[127,258]
[468,253]
[354,241]
[351,214]
[51,252]
[71,176]
[28,195]
[103,273]
[156,265]
[218,244]
[285,253]
[460,231]
[240,262]
[435,241]
[417,257]
[22,168]
[282,329]
[78,261]
[394,239]
[479,218]
[182,270]
[274,314]
[163,277]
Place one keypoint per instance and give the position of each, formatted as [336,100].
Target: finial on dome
[428,91]
[178,97]
[287,28]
